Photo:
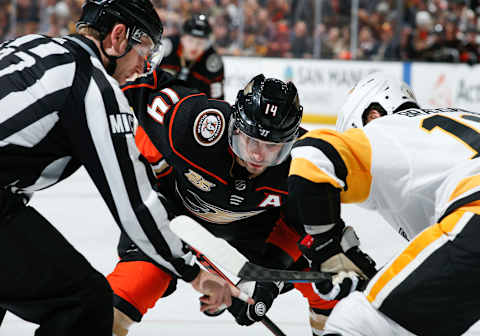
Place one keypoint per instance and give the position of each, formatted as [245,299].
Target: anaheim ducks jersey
[187,145]
[205,74]
[397,165]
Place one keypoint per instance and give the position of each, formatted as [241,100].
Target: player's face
[134,61]
[372,114]
[193,47]
[257,155]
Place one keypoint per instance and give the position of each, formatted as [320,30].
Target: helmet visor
[256,151]
[145,47]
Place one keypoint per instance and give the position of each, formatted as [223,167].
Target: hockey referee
[61,108]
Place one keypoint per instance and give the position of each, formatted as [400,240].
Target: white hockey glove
[263,293]
[337,251]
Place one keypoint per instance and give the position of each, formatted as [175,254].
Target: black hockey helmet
[139,16]
[197,26]
[267,110]
[135,14]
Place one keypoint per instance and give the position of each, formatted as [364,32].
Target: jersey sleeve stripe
[171,141]
[146,147]
[30,116]
[202,78]
[319,151]
[426,244]
[305,168]
[467,192]
[31,134]
[312,164]
[61,76]
[140,213]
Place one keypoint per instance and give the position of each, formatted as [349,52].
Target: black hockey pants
[44,280]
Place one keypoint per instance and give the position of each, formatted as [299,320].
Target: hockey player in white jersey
[417,168]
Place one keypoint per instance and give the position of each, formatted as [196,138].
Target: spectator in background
[469,50]
[447,45]
[4,20]
[422,40]
[387,50]
[191,57]
[367,45]
[280,45]
[263,21]
[300,41]
[28,18]
[335,43]
[278,10]
[265,31]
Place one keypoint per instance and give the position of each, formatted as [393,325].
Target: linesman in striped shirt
[61,108]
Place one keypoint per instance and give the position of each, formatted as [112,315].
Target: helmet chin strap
[112,60]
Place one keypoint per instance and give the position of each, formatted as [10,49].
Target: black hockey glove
[263,293]
[337,250]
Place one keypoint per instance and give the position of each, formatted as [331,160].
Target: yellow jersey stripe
[306,169]
[408,256]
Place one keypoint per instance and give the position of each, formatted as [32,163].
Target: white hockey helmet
[378,90]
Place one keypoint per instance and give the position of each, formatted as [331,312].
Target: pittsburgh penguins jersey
[205,73]
[396,165]
[187,145]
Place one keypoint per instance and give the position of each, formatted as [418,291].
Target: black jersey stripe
[19,83]
[330,152]
[33,114]
[459,203]
[134,178]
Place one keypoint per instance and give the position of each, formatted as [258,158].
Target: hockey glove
[343,283]
[263,293]
[337,250]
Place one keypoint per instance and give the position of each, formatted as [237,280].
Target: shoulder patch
[214,63]
[208,127]
[167,46]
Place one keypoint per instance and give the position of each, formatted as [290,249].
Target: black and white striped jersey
[60,110]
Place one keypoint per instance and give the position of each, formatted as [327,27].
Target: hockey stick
[202,259]
[226,256]
[3,311]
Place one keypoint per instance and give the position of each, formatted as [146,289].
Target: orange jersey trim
[140,283]
[146,147]
[285,238]
[272,189]
[133,86]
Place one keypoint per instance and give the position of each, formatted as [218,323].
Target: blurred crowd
[419,30]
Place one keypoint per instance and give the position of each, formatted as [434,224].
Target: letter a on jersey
[271,200]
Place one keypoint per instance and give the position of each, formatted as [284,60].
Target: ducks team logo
[208,127]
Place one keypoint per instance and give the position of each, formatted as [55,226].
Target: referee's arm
[107,149]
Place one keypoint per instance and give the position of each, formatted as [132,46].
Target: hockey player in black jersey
[226,167]
[60,108]
[192,58]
